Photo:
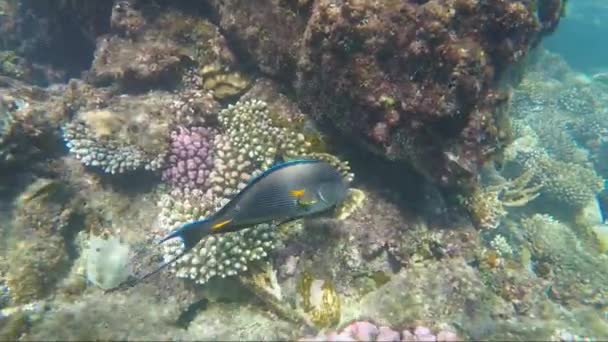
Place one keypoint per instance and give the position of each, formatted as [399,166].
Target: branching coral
[190,159]
[568,184]
[488,205]
[247,143]
[130,134]
[223,255]
[250,128]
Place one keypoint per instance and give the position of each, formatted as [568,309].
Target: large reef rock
[412,80]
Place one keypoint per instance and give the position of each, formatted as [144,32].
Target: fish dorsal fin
[278,159]
[278,166]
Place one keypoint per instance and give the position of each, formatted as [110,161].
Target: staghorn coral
[190,159]
[488,205]
[130,134]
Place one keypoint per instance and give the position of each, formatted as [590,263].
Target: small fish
[285,192]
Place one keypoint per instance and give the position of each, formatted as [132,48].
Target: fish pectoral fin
[219,225]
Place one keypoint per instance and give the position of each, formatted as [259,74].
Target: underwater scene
[303,170]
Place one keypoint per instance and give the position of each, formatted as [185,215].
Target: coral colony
[477,212]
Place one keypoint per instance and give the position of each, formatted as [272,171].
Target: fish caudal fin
[190,233]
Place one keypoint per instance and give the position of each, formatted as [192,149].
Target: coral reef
[129,134]
[319,301]
[570,185]
[190,159]
[418,81]
[109,317]
[221,82]
[426,94]
[44,215]
[221,256]
[147,51]
[367,331]
[250,128]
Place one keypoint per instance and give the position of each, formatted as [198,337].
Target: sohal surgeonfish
[285,192]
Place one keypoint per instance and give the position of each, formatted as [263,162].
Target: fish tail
[190,233]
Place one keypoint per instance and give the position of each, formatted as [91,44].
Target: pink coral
[367,331]
[191,159]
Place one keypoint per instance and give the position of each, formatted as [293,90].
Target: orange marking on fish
[220,224]
[297,193]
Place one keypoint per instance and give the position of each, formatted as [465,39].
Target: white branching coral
[223,255]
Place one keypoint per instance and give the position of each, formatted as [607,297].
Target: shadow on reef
[51,41]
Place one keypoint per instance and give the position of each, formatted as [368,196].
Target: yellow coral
[103,123]
[354,200]
[319,300]
[222,82]
[487,205]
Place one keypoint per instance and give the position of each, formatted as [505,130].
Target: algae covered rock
[406,79]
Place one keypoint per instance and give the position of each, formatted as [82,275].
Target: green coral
[34,268]
[12,65]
